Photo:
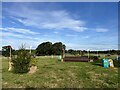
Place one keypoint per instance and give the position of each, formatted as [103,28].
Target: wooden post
[88,53]
[10,53]
[97,53]
[9,59]
[80,52]
[62,54]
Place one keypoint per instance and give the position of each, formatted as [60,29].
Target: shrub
[116,63]
[94,58]
[22,61]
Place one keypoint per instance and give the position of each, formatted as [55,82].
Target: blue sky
[78,25]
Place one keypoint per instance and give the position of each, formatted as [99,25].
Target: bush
[22,61]
[116,63]
[94,58]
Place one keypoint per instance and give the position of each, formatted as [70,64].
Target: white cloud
[34,42]
[75,35]
[55,32]
[46,35]
[9,34]
[18,33]
[86,37]
[16,40]
[101,30]
[23,36]
[16,43]
[19,30]
[55,19]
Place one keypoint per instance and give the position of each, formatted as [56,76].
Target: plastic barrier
[59,57]
[111,63]
[105,63]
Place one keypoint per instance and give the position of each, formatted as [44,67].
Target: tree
[6,50]
[44,48]
[21,62]
[71,51]
[57,48]
[47,48]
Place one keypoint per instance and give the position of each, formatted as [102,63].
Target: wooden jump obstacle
[76,59]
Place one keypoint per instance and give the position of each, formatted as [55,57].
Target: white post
[30,49]
[117,57]
[52,56]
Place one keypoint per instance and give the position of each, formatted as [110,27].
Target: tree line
[45,48]
[82,52]
[49,48]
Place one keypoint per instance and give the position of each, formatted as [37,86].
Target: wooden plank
[76,59]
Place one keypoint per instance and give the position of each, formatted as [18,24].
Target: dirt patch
[105,74]
[97,75]
[33,69]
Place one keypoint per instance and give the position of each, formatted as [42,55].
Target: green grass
[55,74]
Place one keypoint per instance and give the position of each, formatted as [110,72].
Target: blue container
[105,63]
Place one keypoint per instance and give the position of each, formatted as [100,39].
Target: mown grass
[55,74]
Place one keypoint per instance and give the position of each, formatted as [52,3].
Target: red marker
[9,47]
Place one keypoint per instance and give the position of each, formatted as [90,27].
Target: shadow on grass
[98,64]
[30,88]
[42,88]
[33,88]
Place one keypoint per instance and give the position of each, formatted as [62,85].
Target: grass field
[55,74]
